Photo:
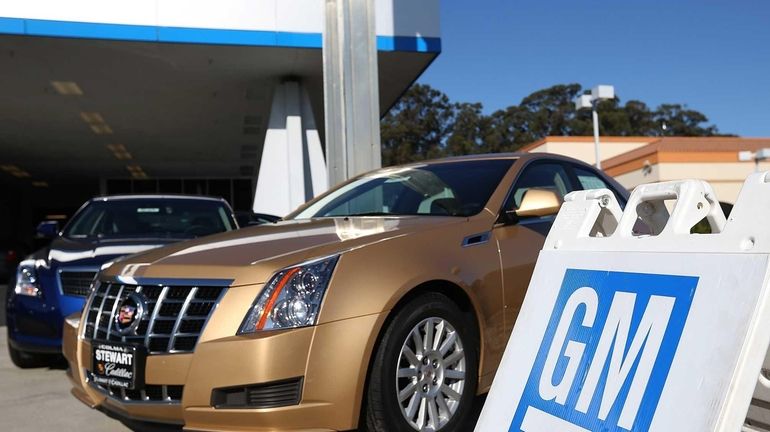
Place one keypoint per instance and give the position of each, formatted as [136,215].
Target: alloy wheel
[430,375]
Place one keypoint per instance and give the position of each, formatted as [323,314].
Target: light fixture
[101,129]
[119,151]
[40,183]
[96,122]
[67,88]
[598,93]
[15,171]
[136,171]
[758,156]
[92,117]
[249,151]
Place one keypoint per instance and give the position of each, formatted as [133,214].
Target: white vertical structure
[351,92]
[292,169]
[598,93]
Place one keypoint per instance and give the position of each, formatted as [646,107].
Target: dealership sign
[637,326]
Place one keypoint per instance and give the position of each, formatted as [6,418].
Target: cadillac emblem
[129,314]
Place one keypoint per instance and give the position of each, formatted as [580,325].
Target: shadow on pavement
[478,404]
[141,426]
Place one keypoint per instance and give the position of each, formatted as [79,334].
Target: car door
[520,241]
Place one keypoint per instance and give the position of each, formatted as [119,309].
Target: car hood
[251,255]
[64,251]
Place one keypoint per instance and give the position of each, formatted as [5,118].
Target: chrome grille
[173,322]
[76,282]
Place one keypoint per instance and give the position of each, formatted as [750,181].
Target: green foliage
[418,127]
[425,124]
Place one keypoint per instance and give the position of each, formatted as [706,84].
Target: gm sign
[606,352]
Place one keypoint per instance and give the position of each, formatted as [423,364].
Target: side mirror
[539,202]
[48,229]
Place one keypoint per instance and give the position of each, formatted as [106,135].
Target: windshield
[150,217]
[443,189]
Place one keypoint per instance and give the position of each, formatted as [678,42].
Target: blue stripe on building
[35,27]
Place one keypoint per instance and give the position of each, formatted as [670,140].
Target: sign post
[661,331]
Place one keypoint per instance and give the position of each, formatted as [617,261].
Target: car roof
[496,156]
[155,196]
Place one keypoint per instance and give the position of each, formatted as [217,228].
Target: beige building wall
[721,171]
[726,178]
[633,179]
[727,191]
[638,160]
[584,151]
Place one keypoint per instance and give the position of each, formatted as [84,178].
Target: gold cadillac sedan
[384,304]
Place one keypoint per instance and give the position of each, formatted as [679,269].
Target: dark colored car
[54,281]
[246,218]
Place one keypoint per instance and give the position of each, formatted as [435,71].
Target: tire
[445,378]
[27,360]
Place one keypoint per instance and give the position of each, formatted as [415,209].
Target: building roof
[587,139]
[664,149]
[687,149]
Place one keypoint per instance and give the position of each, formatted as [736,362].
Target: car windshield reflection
[458,189]
[149,218]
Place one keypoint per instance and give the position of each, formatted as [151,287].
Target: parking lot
[39,399]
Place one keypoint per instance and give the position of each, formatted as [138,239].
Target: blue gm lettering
[606,352]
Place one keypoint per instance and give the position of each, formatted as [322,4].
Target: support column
[351,93]
[292,169]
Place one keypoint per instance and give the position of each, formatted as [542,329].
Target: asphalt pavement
[39,399]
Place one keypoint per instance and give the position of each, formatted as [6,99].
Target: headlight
[27,283]
[292,297]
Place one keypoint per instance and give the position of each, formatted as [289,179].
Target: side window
[551,176]
[589,180]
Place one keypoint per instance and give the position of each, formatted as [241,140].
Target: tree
[552,110]
[678,120]
[425,124]
[417,127]
[641,120]
[469,130]
[509,129]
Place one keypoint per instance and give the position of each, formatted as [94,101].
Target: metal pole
[351,92]
[596,136]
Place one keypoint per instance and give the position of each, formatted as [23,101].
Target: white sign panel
[629,332]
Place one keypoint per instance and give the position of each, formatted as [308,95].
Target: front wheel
[425,371]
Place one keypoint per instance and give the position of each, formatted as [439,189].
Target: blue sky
[712,55]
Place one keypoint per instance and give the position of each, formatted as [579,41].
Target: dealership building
[218,98]
[637,160]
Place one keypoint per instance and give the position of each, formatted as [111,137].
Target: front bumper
[332,360]
[35,324]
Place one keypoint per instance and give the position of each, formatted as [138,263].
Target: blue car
[54,282]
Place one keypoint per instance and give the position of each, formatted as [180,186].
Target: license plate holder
[118,365]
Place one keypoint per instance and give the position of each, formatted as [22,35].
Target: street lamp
[598,93]
[758,156]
